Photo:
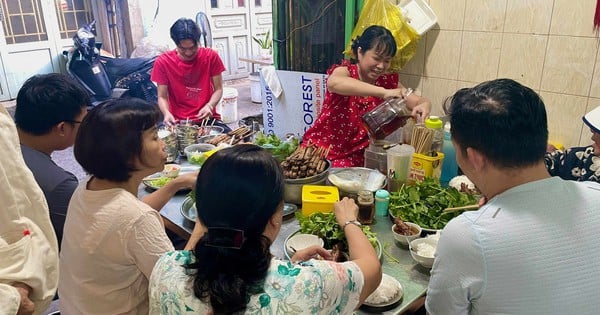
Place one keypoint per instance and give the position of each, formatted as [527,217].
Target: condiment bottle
[366,207]
[435,123]
[449,167]
[382,202]
[386,118]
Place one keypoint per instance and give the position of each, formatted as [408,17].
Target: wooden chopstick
[469,207]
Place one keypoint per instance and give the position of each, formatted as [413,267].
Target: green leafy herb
[159,182]
[197,158]
[192,195]
[325,226]
[423,203]
[278,148]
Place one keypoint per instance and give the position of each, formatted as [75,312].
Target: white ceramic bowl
[171,170]
[301,241]
[199,147]
[417,253]
[405,239]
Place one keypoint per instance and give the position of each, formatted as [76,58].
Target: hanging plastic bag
[388,15]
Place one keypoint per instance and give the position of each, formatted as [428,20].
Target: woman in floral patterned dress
[579,163]
[239,196]
[354,89]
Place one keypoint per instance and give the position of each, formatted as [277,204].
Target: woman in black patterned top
[579,163]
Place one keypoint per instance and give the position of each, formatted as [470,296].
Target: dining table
[396,259]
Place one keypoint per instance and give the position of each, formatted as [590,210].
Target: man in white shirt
[531,249]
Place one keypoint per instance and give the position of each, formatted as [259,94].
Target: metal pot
[293,187]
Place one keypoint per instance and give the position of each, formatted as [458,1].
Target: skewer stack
[421,139]
[232,137]
[204,129]
[305,162]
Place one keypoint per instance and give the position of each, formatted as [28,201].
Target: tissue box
[318,198]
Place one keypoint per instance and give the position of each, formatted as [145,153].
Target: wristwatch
[355,222]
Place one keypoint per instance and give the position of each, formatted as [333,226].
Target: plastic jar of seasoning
[366,207]
[382,202]
[435,123]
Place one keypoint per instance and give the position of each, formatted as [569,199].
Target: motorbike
[108,77]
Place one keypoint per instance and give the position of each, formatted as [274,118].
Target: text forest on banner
[297,107]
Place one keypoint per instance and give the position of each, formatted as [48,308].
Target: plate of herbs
[423,203]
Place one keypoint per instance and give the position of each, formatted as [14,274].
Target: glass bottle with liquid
[386,118]
[366,207]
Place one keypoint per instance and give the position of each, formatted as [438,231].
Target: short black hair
[502,119]
[45,100]
[377,37]
[184,29]
[111,136]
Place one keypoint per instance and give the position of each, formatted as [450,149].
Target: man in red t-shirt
[189,78]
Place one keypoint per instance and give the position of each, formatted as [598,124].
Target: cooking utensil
[469,207]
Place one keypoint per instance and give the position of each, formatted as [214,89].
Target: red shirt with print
[189,82]
[340,125]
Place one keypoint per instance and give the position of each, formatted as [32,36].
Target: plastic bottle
[382,202]
[435,123]
[449,167]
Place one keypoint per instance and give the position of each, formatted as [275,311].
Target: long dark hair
[238,190]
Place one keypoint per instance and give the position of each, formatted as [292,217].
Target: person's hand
[186,180]
[345,210]
[550,148]
[422,110]
[392,93]
[26,306]
[205,112]
[482,201]
[169,119]
[314,251]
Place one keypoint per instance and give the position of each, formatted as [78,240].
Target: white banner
[297,107]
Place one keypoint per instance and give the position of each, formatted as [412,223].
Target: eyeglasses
[73,121]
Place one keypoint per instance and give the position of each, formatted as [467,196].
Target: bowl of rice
[422,251]
[386,296]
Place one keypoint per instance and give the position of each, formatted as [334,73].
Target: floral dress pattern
[340,125]
[578,163]
[312,287]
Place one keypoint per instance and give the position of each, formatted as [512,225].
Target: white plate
[389,280]
[147,181]
[354,179]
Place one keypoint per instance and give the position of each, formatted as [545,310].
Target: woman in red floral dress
[354,89]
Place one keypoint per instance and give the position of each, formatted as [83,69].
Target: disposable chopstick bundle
[421,139]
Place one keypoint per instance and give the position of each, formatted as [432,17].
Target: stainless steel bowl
[293,187]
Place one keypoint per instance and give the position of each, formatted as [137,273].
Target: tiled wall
[548,45]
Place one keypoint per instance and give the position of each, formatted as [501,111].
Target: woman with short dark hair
[112,239]
[239,197]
